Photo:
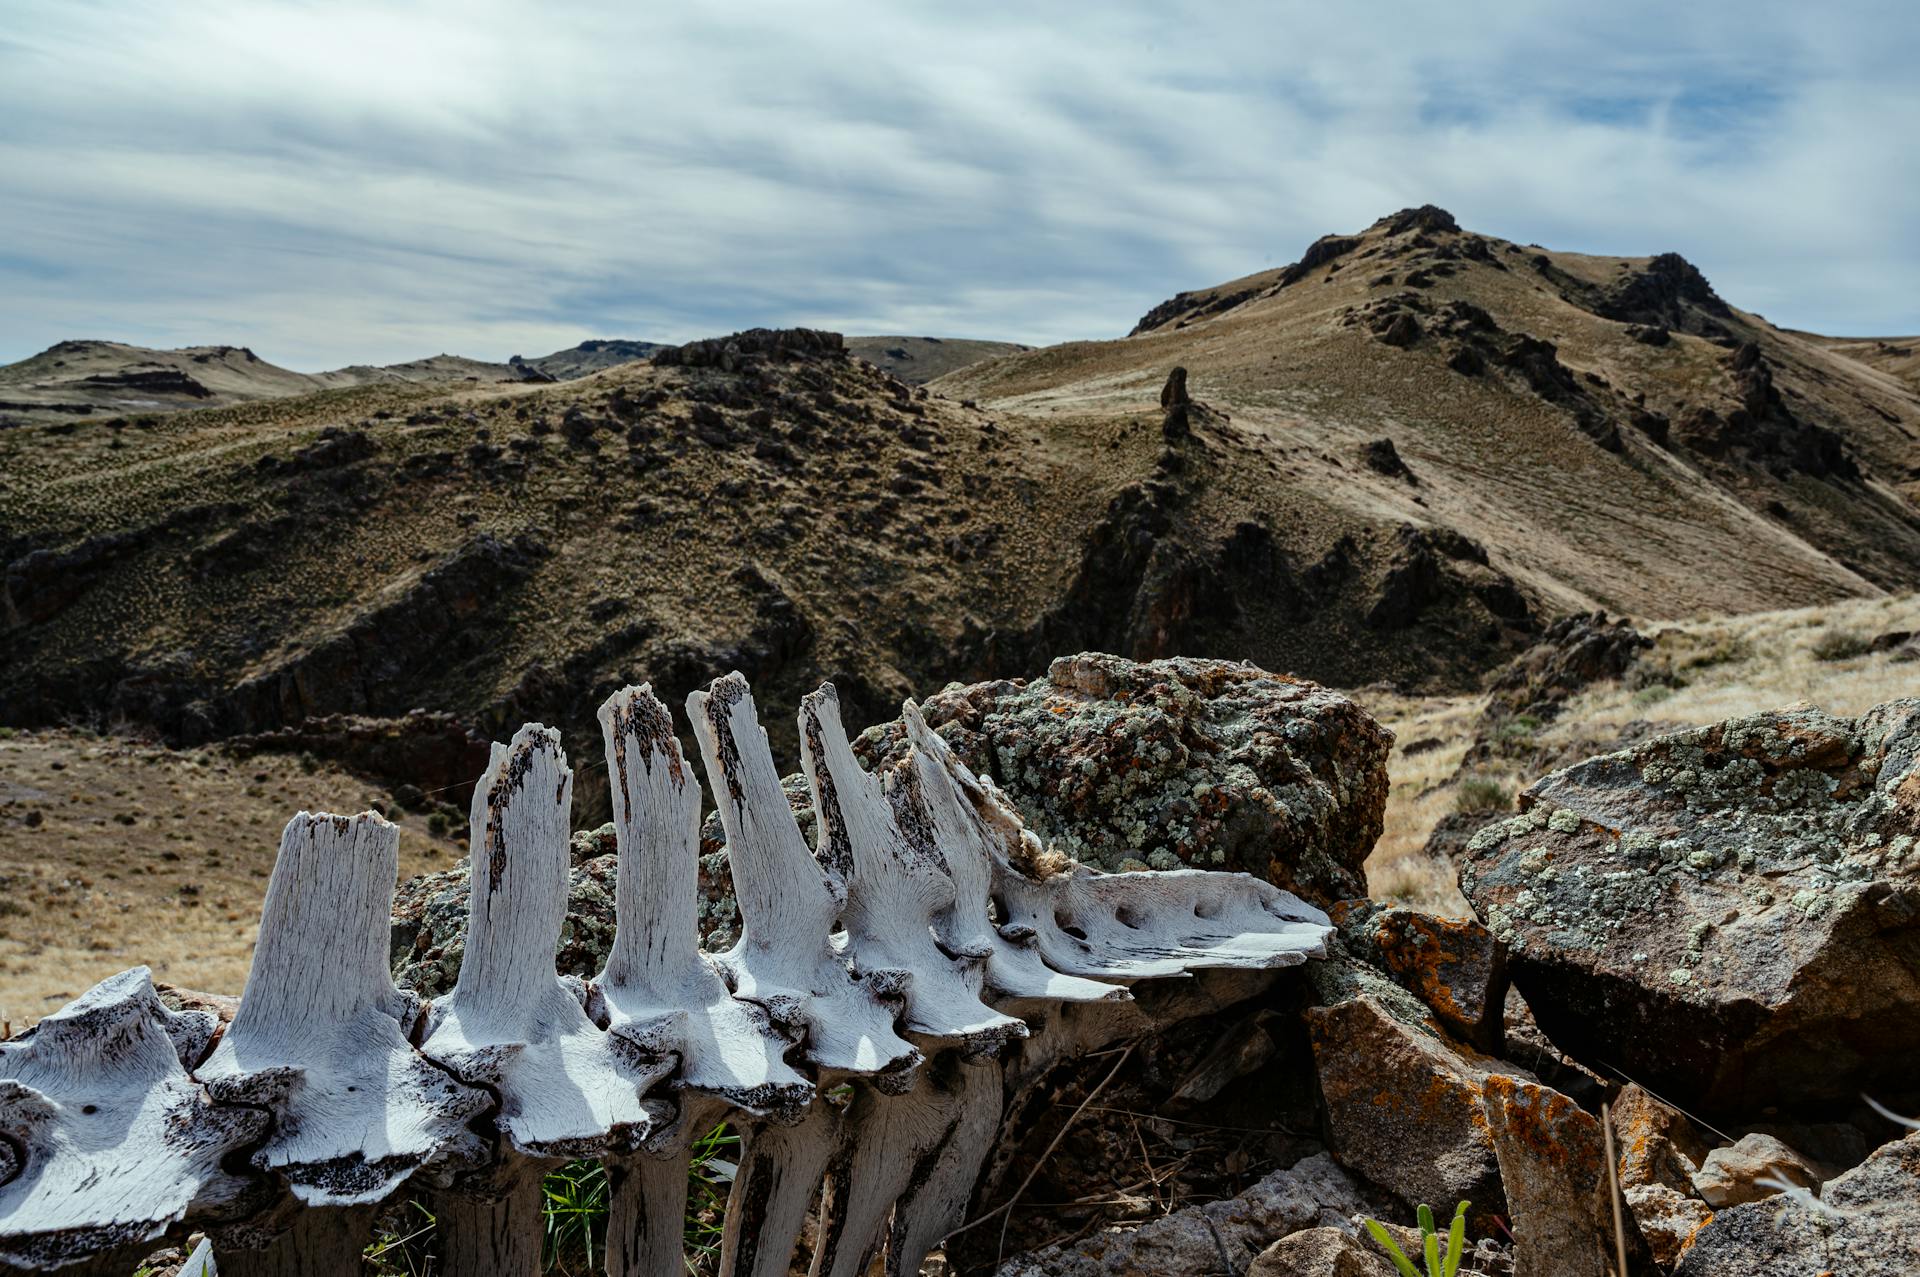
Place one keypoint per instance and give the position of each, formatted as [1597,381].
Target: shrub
[1840,645]
[1725,652]
[1478,795]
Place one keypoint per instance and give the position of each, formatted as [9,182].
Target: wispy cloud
[354,182]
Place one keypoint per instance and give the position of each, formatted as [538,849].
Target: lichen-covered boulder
[1454,965]
[1160,764]
[1729,915]
[1400,1104]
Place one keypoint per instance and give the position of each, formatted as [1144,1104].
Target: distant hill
[78,379]
[918,360]
[588,357]
[74,380]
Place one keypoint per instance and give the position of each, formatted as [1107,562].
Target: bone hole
[1126,917]
[996,910]
[1206,907]
[1065,924]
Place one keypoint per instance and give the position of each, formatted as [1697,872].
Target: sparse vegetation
[1840,645]
[1442,1257]
[1478,795]
[574,1205]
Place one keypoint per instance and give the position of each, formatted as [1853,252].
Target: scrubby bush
[1478,795]
[1840,645]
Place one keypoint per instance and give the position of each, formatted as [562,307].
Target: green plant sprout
[1440,1262]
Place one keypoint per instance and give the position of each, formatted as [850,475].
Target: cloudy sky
[368,182]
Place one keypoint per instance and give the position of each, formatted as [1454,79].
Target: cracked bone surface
[865,1034]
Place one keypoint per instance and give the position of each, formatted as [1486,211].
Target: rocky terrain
[1773,861]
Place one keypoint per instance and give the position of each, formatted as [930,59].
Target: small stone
[1732,1175]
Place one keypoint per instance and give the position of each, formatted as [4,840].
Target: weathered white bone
[896,883]
[934,1202]
[104,1139]
[320,1037]
[1136,925]
[890,1152]
[565,1087]
[785,959]
[647,1210]
[1132,926]
[781,1167]
[970,824]
[658,990]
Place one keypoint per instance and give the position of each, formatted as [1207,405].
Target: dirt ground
[114,852]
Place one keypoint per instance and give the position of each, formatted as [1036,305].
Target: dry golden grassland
[1698,671]
[114,852]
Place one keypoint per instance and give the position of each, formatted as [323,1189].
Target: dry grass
[114,852]
[1419,795]
[1743,664]
[1698,672]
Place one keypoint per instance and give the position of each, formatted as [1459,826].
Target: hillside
[917,360]
[509,553]
[1610,430]
[1411,451]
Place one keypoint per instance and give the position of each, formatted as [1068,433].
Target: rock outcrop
[1128,765]
[1698,911]
[432,752]
[1573,654]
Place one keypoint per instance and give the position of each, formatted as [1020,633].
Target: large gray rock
[1866,1223]
[1159,764]
[1313,1193]
[1730,915]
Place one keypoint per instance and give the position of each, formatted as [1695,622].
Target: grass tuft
[1478,796]
[1840,645]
